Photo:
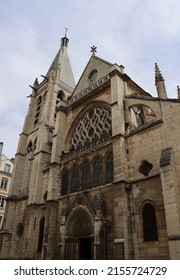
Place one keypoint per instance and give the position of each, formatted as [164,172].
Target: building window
[92,76]
[41,234]
[149,223]
[94,128]
[75,179]
[2,202]
[60,96]
[4,183]
[98,172]
[1,221]
[38,110]
[7,168]
[86,176]
[109,168]
[65,179]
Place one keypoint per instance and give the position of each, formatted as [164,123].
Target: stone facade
[97,169]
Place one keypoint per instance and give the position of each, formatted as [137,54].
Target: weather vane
[66,31]
[93,50]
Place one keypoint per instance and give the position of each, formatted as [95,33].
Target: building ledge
[144,127]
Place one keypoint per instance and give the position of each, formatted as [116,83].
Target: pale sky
[134,33]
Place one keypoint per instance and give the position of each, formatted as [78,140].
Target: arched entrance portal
[79,236]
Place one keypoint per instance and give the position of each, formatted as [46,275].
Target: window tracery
[93,127]
[90,174]
[140,115]
[31,146]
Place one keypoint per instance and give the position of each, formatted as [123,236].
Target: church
[97,169]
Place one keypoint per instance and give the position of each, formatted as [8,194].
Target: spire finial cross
[66,29]
[93,50]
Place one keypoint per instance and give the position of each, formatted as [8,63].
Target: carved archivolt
[79,224]
[95,125]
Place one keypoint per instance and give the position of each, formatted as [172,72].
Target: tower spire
[61,66]
[159,82]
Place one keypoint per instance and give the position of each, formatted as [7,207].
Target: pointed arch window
[149,223]
[65,181]
[75,179]
[86,175]
[98,171]
[109,168]
[41,234]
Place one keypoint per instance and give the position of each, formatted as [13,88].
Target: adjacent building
[6,169]
[97,169]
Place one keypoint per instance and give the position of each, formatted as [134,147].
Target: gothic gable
[95,70]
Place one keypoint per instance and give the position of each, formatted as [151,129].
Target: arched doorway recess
[79,235]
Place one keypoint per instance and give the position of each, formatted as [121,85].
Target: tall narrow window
[149,223]
[4,183]
[2,201]
[41,234]
[109,168]
[75,179]
[86,175]
[98,172]
[65,180]
[38,109]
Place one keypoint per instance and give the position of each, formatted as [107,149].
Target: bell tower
[30,181]
[35,143]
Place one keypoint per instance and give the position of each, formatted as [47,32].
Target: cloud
[134,33]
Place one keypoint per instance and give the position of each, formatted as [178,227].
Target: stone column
[51,229]
[98,242]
